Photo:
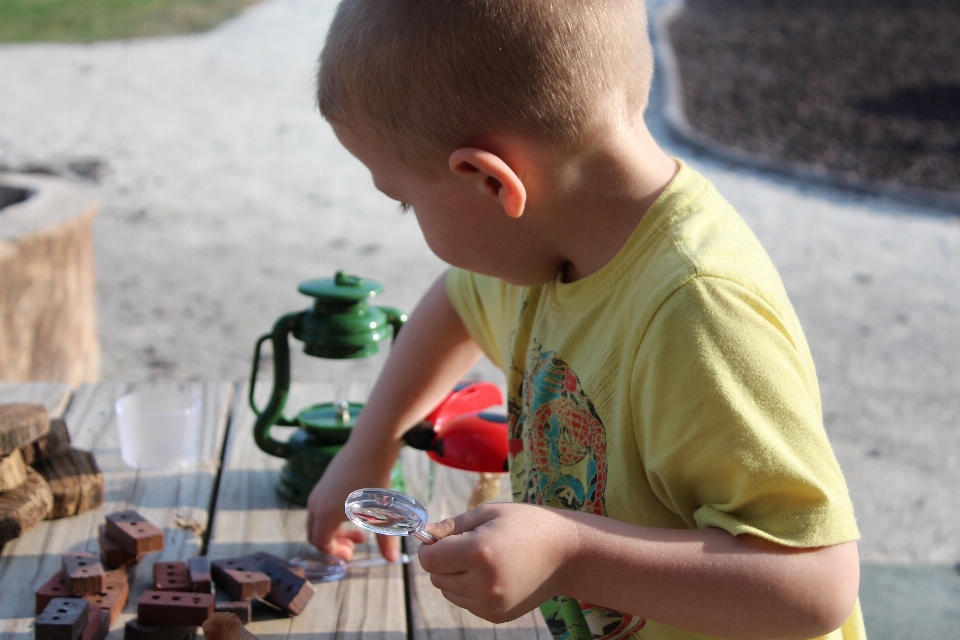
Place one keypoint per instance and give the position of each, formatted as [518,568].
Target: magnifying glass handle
[425,537]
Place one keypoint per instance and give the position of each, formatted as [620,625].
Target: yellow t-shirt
[672,388]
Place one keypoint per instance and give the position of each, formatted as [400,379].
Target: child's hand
[352,468]
[499,561]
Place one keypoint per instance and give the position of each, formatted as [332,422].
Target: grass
[86,20]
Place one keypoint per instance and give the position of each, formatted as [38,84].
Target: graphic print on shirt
[558,459]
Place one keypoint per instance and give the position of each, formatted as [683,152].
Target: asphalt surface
[221,189]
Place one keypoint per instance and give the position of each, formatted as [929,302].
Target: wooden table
[225,504]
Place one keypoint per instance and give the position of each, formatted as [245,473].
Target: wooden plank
[446,492]
[251,516]
[54,395]
[176,500]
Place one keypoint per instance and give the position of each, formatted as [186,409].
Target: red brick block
[62,619]
[288,591]
[133,532]
[112,555]
[55,587]
[200,581]
[84,573]
[171,576]
[173,608]
[240,578]
[113,597]
[136,630]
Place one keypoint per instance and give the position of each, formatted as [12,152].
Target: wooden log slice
[12,471]
[75,481]
[24,507]
[56,441]
[21,424]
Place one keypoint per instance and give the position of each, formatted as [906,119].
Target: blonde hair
[429,76]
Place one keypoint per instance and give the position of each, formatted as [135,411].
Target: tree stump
[48,319]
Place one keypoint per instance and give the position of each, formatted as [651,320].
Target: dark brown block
[258,558]
[240,578]
[288,591]
[225,626]
[75,481]
[171,576]
[136,630]
[243,609]
[22,508]
[133,532]
[56,441]
[84,573]
[21,424]
[98,624]
[200,581]
[55,587]
[112,555]
[113,597]
[62,619]
[171,607]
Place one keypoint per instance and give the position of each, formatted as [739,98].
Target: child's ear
[493,176]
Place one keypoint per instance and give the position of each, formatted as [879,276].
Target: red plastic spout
[468,396]
[474,441]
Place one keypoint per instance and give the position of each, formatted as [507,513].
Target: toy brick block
[21,424]
[22,508]
[288,591]
[98,624]
[258,558]
[13,471]
[55,587]
[113,597]
[56,442]
[225,626]
[136,630]
[200,581]
[75,481]
[62,619]
[84,573]
[133,532]
[112,555]
[171,576]
[171,607]
[243,609]
[240,578]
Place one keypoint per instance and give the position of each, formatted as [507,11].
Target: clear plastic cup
[158,429]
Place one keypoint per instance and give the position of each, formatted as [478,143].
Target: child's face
[461,225]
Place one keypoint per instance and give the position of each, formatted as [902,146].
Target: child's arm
[431,353]
[510,558]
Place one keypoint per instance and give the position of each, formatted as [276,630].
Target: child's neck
[600,197]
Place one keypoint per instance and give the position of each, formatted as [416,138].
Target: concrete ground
[223,189]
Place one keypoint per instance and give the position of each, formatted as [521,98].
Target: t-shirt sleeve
[728,422]
[480,301]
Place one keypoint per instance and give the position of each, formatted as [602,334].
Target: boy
[666,442]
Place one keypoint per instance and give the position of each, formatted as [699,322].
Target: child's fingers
[389,547]
[462,523]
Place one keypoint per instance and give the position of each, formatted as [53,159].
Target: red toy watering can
[459,434]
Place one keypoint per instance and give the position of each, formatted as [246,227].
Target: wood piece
[133,532]
[13,471]
[171,576]
[56,441]
[75,480]
[20,424]
[240,578]
[250,517]
[55,587]
[112,555]
[62,619]
[136,630]
[170,607]
[98,624]
[22,508]
[288,591]
[199,569]
[113,597]
[225,626]
[243,609]
[48,311]
[84,573]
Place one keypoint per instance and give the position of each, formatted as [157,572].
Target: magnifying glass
[388,513]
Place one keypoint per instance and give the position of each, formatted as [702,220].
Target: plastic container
[158,429]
